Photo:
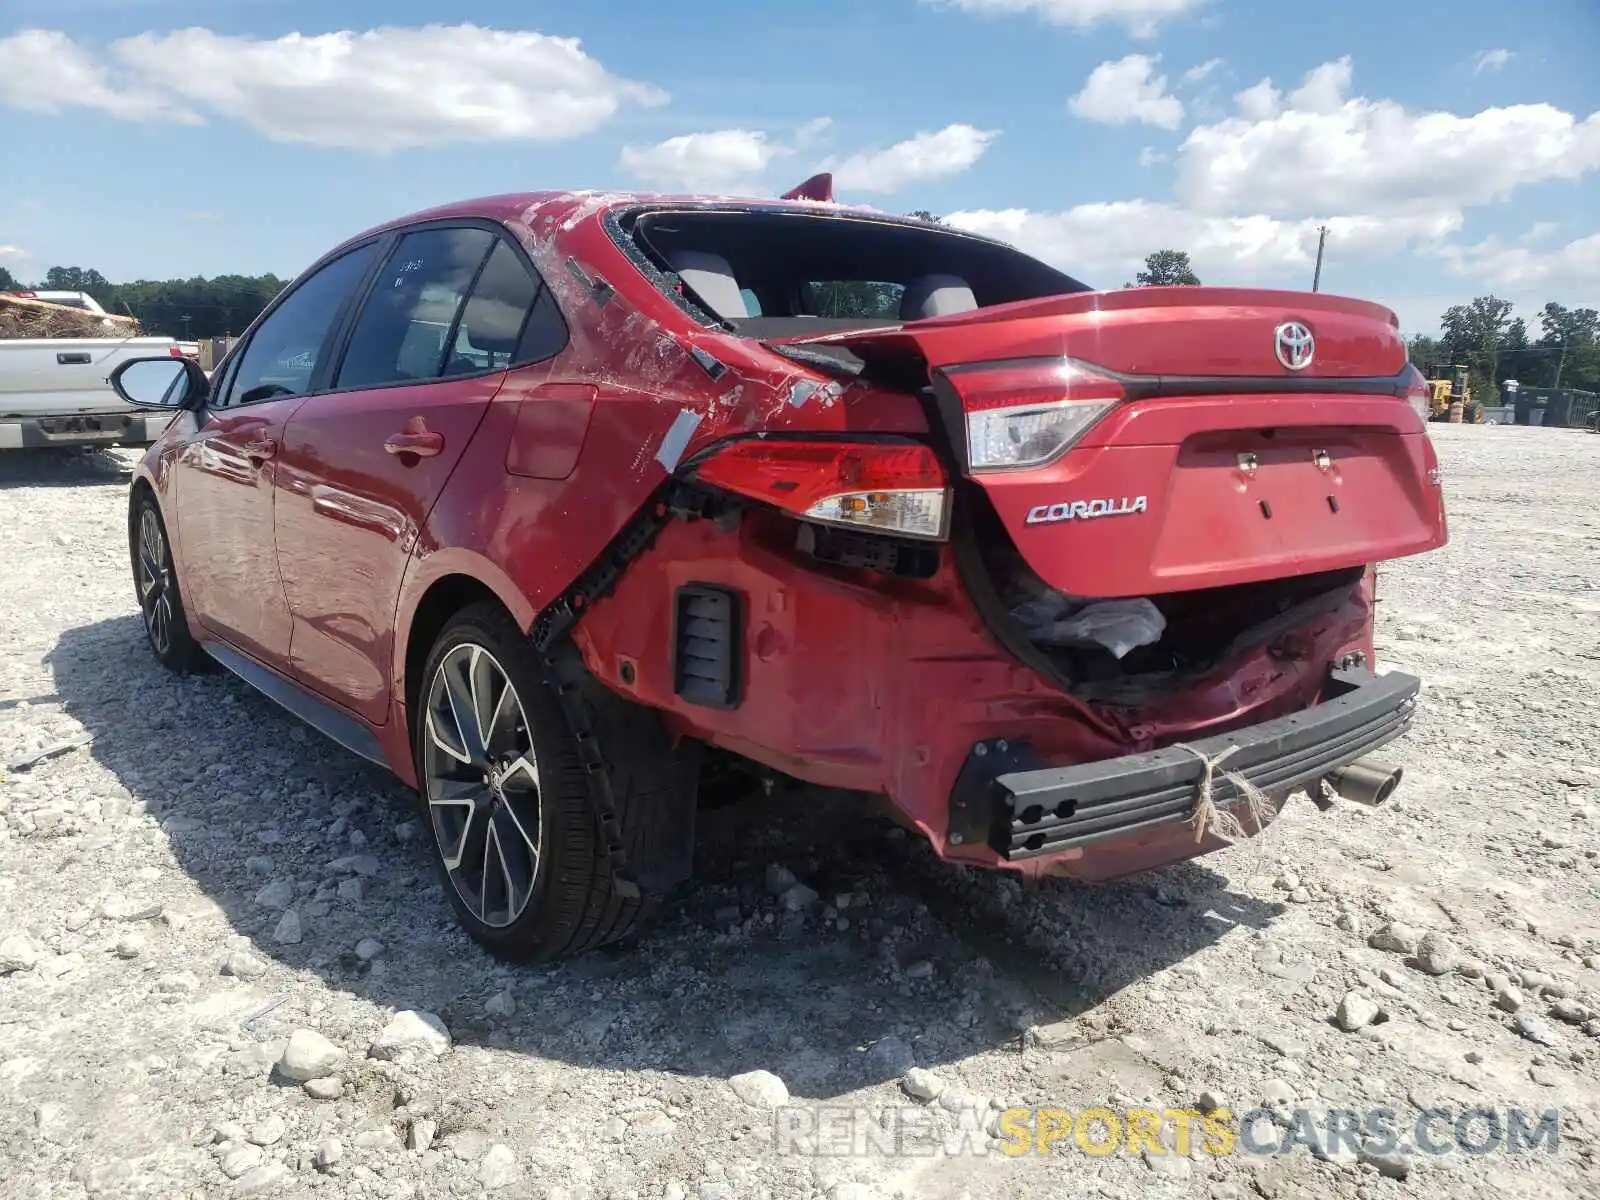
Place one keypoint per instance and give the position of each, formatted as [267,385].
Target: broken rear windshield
[778,272]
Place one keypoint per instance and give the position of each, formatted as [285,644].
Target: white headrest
[936,296]
[712,280]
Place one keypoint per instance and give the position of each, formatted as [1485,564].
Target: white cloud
[1323,89]
[725,160]
[1490,60]
[45,71]
[379,90]
[927,155]
[1128,89]
[1141,17]
[1197,73]
[7,251]
[813,131]
[1326,153]
[1103,244]
[1572,269]
[1260,102]
[1150,156]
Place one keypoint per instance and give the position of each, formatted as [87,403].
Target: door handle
[423,444]
[259,451]
[73,358]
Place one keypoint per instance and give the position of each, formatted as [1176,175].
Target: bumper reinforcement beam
[1024,809]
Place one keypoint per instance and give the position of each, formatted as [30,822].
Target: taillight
[1035,418]
[1419,393]
[888,487]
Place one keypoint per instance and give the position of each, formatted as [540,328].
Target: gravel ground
[197,898]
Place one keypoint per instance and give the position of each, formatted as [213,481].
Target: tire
[522,791]
[155,584]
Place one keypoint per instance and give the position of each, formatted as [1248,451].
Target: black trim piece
[708,362]
[708,645]
[1043,811]
[1149,387]
[314,711]
[599,290]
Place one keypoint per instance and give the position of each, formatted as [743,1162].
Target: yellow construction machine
[1452,399]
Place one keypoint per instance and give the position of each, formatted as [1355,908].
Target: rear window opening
[770,273]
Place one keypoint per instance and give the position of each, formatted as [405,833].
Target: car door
[361,466]
[225,470]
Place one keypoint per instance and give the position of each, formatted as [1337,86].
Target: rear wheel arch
[443,599]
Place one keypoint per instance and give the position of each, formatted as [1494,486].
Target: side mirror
[164,382]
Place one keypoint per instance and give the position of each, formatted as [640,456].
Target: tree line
[182,308]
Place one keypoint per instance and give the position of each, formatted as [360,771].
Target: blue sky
[1451,149]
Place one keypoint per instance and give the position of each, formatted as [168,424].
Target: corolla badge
[1084,510]
[1295,345]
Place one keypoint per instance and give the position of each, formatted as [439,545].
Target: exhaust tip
[1365,781]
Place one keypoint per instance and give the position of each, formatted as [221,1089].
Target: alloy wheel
[482,784]
[155,581]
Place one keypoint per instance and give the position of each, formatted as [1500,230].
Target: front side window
[288,345]
[407,320]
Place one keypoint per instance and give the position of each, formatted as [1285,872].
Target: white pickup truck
[53,390]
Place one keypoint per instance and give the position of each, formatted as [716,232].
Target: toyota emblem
[1295,345]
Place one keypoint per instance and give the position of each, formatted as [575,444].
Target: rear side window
[289,344]
[406,322]
[510,318]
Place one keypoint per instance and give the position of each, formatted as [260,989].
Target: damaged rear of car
[1068,576]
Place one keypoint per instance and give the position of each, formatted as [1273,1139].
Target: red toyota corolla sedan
[539,500]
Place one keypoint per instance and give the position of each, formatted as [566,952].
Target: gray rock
[922,1084]
[779,879]
[1392,1165]
[243,965]
[1171,1164]
[368,949]
[411,1036]
[798,897]
[328,1155]
[1570,1011]
[268,1131]
[1437,954]
[17,953]
[1396,937]
[380,1137]
[890,1056]
[276,895]
[288,931]
[497,1168]
[309,1056]
[1509,997]
[501,1004]
[760,1089]
[420,1134]
[330,1087]
[1535,1029]
[1356,1011]
[350,889]
[468,1145]
[260,1181]
[238,1159]
[130,945]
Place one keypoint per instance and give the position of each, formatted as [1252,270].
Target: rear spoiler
[818,187]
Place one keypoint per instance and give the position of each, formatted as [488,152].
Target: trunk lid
[1230,435]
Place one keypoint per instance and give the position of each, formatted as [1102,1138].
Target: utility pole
[1322,238]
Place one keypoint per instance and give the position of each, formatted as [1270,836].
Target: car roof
[551,212]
